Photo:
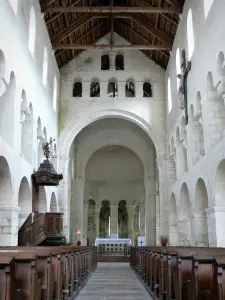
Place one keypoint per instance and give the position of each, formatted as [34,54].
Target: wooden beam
[175,3]
[63,34]
[109,46]
[114,9]
[160,35]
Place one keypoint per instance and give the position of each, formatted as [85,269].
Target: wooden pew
[7,280]
[61,269]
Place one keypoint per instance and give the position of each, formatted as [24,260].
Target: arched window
[130,88]
[55,93]
[207,6]
[112,88]
[147,90]
[119,62]
[178,66]
[95,88]
[169,96]
[45,67]
[105,63]
[14,4]
[32,31]
[77,89]
[190,34]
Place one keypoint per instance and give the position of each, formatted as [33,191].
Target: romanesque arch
[5,182]
[173,230]
[184,216]
[199,222]
[53,203]
[42,200]
[24,201]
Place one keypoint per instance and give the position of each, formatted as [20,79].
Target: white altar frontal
[112,242]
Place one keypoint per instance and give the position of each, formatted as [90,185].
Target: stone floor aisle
[113,281]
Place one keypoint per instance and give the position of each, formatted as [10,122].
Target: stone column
[216,225]
[97,216]
[184,227]
[173,233]
[130,212]
[150,210]
[199,230]
[163,199]
[85,224]
[9,225]
[112,57]
[142,219]
[114,221]
[76,210]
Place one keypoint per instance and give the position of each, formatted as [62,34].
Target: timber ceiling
[76,25]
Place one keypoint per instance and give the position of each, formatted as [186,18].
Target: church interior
[112,149]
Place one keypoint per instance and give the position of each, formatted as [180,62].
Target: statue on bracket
[185,69]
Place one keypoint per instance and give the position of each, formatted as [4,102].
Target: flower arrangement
[78,243]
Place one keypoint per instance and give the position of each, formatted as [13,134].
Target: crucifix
[141,243]
[185,69]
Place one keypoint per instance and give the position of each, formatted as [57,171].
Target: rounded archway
[173,230]
[220,184]
[42,200]
[24,201]
[53,203]
[5,182]
[199,221]
[184,217]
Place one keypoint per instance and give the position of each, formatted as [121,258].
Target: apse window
[147,90]
[190,34]
[112,88]
[45,67]
[207,6]
[32,31]
[169,96]
[77,89]
[119,62]
[105,63]
[130,88]
[95,89]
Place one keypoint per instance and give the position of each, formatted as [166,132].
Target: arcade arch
[24,201]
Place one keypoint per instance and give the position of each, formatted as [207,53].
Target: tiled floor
[113,281]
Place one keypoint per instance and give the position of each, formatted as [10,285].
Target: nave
[113,281]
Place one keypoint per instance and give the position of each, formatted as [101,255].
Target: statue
[185,69]
[46,149]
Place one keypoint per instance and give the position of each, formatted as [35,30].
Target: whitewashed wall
[196,150]
[25,89]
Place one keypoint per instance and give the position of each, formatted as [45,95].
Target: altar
[108,245]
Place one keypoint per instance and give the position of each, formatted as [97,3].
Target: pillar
[85,224]
[150,210]
[163,199]
[130,212]
[112,57]
[97,216]
[216,224]
[114,221]
[199,230]
[77,210]
[142,219]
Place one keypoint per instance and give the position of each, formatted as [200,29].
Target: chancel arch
[24,201]
[199,221]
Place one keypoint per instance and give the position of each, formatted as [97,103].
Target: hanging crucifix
[185,69]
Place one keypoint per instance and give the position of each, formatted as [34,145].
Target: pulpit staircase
[42,229]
